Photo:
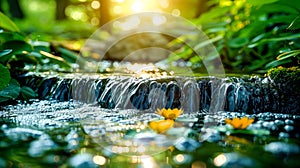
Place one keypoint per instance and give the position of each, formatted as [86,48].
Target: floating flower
[171,114]
[161,126]
[239,123]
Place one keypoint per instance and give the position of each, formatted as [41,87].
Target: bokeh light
[95,4]
[99,160]
[220,160]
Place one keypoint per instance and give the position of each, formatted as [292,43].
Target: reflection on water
[72,134]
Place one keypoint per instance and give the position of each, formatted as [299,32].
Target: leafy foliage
[7,24]
[252,33]
[19,53]
[10,92]
[5,76]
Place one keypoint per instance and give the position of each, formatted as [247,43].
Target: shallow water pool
[71,134]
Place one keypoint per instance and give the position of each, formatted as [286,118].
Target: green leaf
[17,46]
[277,63]
[288,54]
[277,8]
[210,16]
[260,2]
[238,42]
[195,59]
[7,24]
[5,52]
[5,55]
[275,39]
[4,76]
[71,56]
[56,60]
[41,45]
[11,36]
[12,91]
[27,93]
[295,24]
[207,42]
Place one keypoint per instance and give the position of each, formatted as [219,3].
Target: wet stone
[40,146]
[283,135]
[279,122]
[282,148]
[236,160]
[211,136]
[73,140]
[288,128]
[268,125]
[173,94]
[22,134]
[83,160]
[187,144]
[289,122]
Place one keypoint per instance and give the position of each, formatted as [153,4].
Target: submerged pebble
[282,148]
[234,160]
[187,144]
[22,134]
[40,146]
[83,160]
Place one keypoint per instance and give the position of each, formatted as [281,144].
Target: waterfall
[202,94]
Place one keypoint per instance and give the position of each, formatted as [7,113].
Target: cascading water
[204,94]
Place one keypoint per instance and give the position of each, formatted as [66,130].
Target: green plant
[289,58]
[249,34]
[19,53]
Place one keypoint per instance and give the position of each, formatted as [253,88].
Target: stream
[84,120]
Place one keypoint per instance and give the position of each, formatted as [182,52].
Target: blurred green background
[250,35]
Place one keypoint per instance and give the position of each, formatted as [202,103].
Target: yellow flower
[239,123]
[171,114]
[161,126]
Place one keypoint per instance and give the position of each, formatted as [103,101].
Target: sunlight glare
[137,6]
[164,3]
[119,1]
[148,162]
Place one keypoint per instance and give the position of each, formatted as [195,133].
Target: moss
[281,74]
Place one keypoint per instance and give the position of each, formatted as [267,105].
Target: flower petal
[161,126]
[239,123]
[171,114]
